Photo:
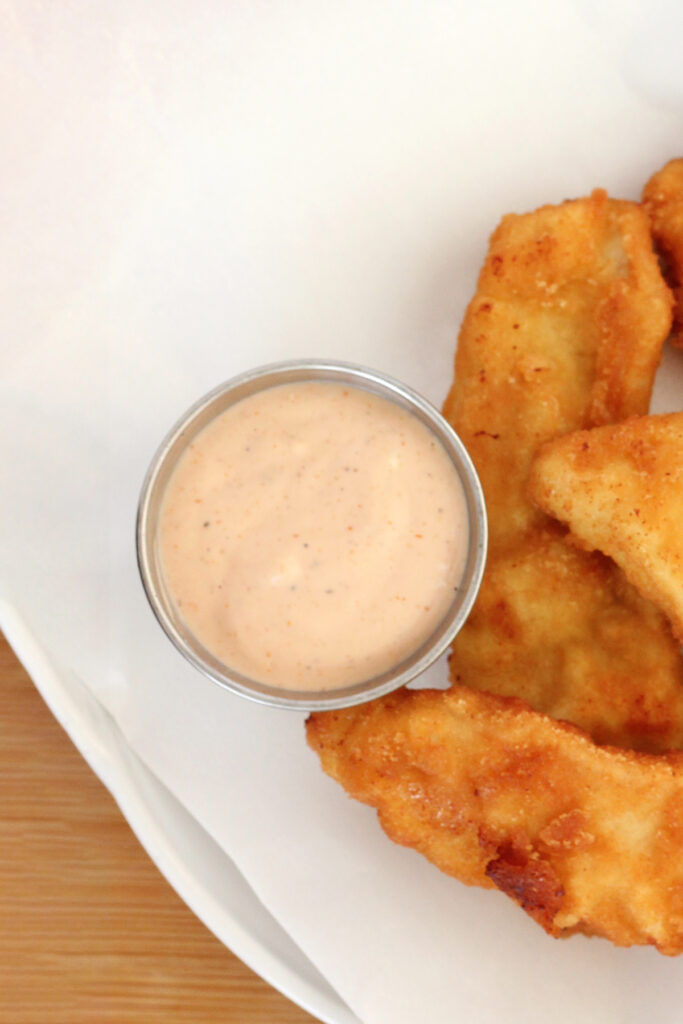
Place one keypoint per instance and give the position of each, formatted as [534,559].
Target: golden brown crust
[565,332]
[663,201]
[533,883]
[620,490]
[584,838]
[566,631]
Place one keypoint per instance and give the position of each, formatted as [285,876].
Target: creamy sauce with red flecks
[312,535]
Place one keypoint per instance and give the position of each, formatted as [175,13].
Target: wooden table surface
[90,931]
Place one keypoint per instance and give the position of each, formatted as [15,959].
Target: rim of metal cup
[203,412]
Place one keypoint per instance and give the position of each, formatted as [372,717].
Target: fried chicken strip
[620,490]
[565,332]
[584,838]
[566,631]
[663,200]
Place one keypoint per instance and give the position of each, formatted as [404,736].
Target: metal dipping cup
[165,461]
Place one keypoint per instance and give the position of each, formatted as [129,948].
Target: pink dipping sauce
[313,534]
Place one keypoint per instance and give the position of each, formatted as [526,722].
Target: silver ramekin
[165,461]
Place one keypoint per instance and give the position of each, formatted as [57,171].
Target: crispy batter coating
[620,490]
[565,332]
[584,838]
[663,200]
[566,631]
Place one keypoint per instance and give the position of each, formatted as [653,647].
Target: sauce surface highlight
[312,535]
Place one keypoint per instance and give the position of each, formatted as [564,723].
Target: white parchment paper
[189,189]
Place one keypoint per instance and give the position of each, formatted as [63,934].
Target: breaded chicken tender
[663,200]
[585,838]
[565,331]
[567,632]
[620,490]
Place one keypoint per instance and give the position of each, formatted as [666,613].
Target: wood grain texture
[90,931]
